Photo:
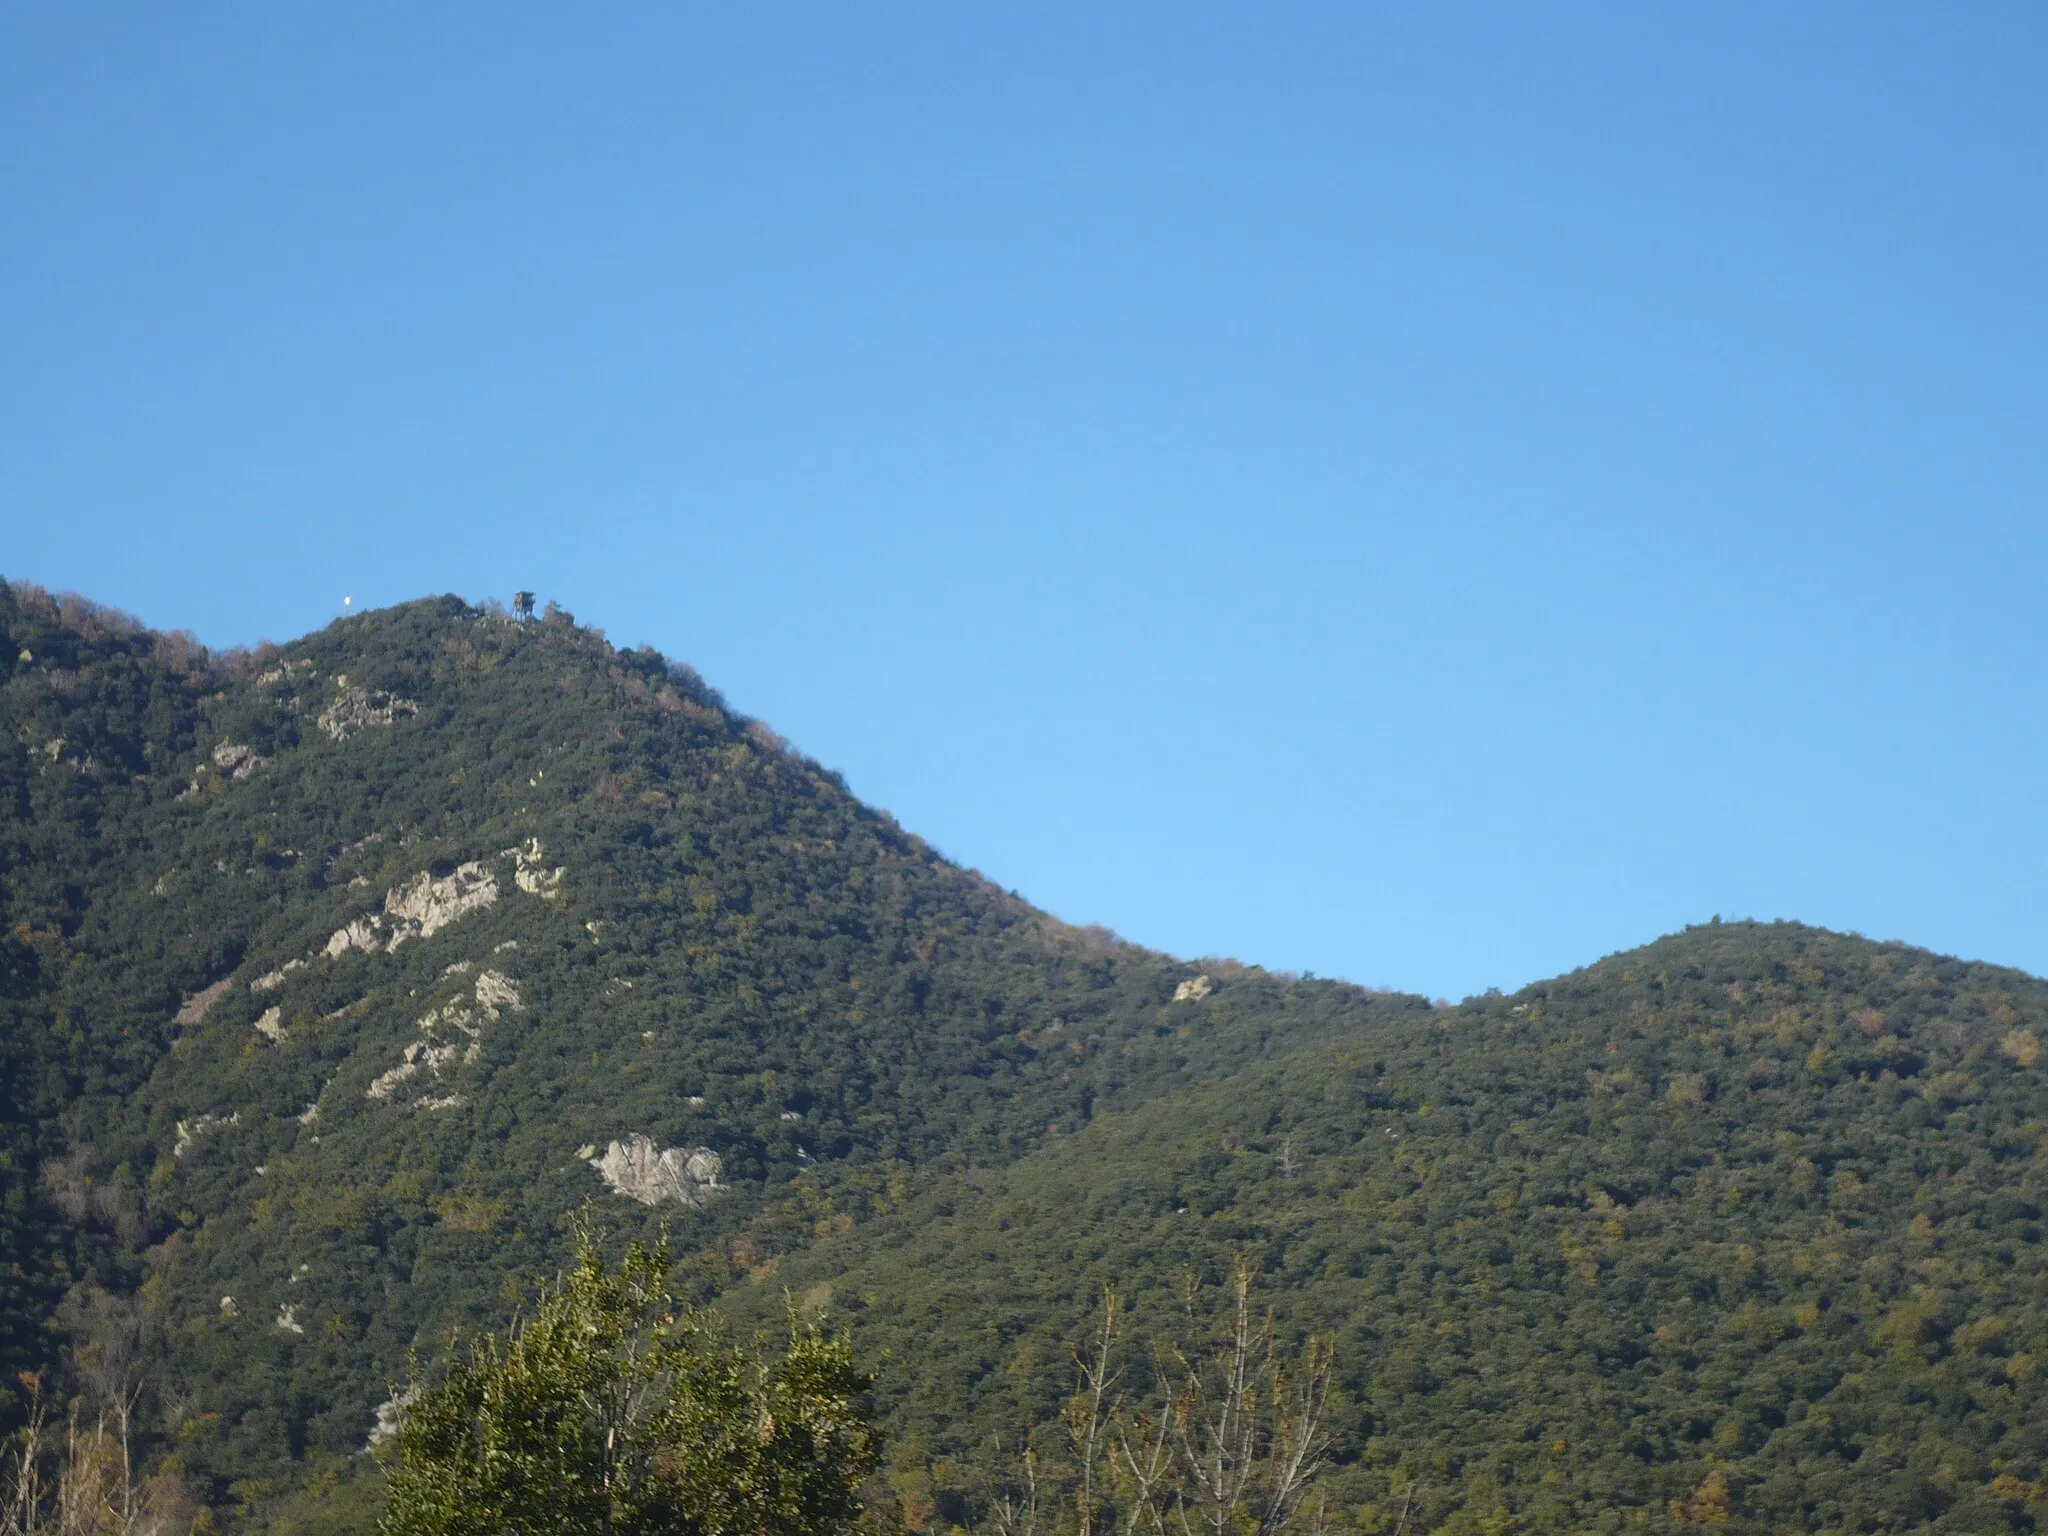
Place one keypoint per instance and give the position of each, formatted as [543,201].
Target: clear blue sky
[1426,494]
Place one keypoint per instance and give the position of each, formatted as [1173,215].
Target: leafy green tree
[608,1409]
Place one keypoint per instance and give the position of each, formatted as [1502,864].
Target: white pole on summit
[346,599]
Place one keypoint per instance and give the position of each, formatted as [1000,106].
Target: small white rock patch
[388,1414]
[189,1131]
[238,761]
[270,981]
[494,989]
[531,875]
[358,708]
[636,1169]
[424,905]
[451,1034]
[418,909]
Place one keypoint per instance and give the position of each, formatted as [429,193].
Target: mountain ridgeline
[341,979]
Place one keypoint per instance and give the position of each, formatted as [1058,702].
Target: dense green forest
[341,978]
[1755,1209]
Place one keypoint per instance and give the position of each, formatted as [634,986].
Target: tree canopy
[610,1411]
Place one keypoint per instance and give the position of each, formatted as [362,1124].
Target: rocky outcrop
[284,672]
[451,1035]
[358,708]
[531,875]
[635,1169]
[494,989]
[232,759]
[428,1056]
[271,1026]
[270,981]
[421,907]
[1194,990]
[424,905]
[238,761]
[361,934]
[388,1414]
[191,1130]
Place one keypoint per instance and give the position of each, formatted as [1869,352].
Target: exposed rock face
[357,708]
[232,759]
[237,761]
[284,671]
[423,906]
[191,1130]
[634,1168]
[1193,991]
[271,980]
[388,1413]
[360,934]
[199,1004]
[531,875]
[451,1035]
[271,1026]
[428,1056]
[494,989]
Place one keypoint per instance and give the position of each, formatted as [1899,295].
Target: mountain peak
[342,977]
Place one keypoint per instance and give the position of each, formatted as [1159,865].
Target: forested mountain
[1746,1222]
[341,977]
